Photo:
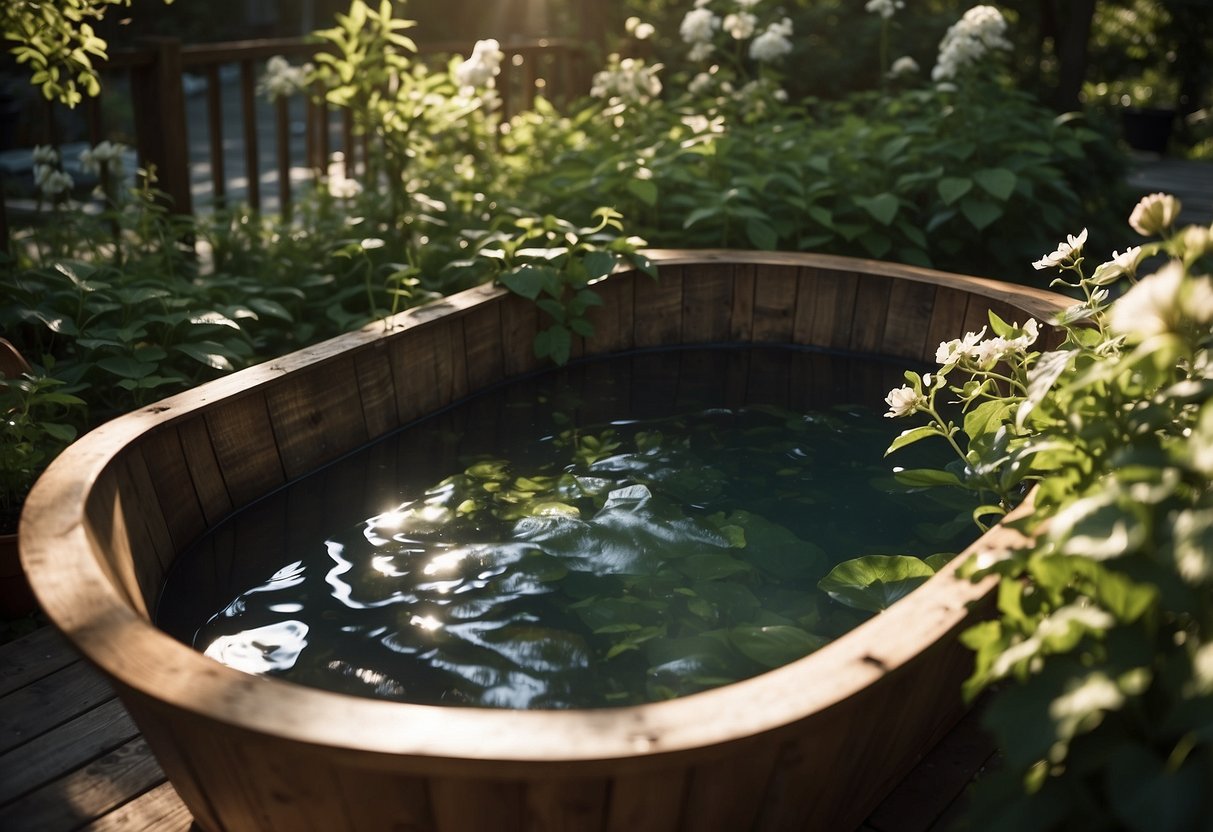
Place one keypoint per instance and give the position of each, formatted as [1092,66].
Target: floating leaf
[774,646]
[875,582]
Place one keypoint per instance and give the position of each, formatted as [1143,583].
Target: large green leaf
[882,207]
[875,582]
[998,182]
[776,645]
[952,188]
[980,213]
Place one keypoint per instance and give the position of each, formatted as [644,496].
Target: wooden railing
[164,133]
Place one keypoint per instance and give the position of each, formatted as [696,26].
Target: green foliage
[918,176]
[58,43]
[38,419]
[1104,629]
[553,263]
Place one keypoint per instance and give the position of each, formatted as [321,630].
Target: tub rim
[57,553]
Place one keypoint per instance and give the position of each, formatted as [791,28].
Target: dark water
[621,531]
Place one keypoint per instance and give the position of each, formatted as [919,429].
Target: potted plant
[34,428]
[1103,645]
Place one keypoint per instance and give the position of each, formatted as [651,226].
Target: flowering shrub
[969,40]
[1103,633]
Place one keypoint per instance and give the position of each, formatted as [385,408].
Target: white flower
[701,52]
[699,25]
[1065,252]
[980,30]
[342,188]
[747,4]
[990,351]
[280,79]
[1166,301]
[884,8]
[638,29]
[628,80]
[1120,264]
[741,25]
[772,44]
[44,154]
[53,183]
[105,156]
[1154,214]
[482,67]
[700,84]
[903,401]
[905,65]
[1031,331]
[949,352]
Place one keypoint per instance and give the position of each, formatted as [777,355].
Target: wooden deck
[71,759]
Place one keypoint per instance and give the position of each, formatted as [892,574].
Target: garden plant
[1101,651]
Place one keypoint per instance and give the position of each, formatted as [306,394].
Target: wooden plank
[158,810]
[31,657]
[213,497]
[499,804]
[871,310]
[646,803]
[775,291]
[243,439]
[707,300]
[146,519]
[741,317]
[731,793]
[566,804]
[64,749]
[377,390]
[316,416]
[831,299]
[612,321]
[85,794]
[658,310]
[413,359]
[947,319]
[384,802]
[450,362]
[174,487]
[905,327]
[49,702]
[107,528]
[482,345]
[519,323]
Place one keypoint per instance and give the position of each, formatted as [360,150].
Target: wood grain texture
[156,810]
[242,436]
[775,292]
[253,754]
[317,416]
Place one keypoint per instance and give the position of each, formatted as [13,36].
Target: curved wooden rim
[81,600]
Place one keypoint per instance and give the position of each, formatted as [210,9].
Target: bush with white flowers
[1103,642]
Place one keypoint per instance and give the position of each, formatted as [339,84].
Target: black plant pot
[1148,128]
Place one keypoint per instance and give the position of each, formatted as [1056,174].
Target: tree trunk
[1074,19]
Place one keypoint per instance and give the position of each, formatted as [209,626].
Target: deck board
[72,759]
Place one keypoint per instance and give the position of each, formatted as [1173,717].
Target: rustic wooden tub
[813,745]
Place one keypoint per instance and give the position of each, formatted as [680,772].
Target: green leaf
[924,477]
[598,264]
[126,367]
[952,188]
[998,182]
[882,207]
[531,281]
[979,212]
[643,189]
[206,355]
[761,235]
[909,437]
[875,582]
[775,645]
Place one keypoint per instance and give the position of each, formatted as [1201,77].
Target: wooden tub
[813,745]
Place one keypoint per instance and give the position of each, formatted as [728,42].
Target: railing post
[160,122]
